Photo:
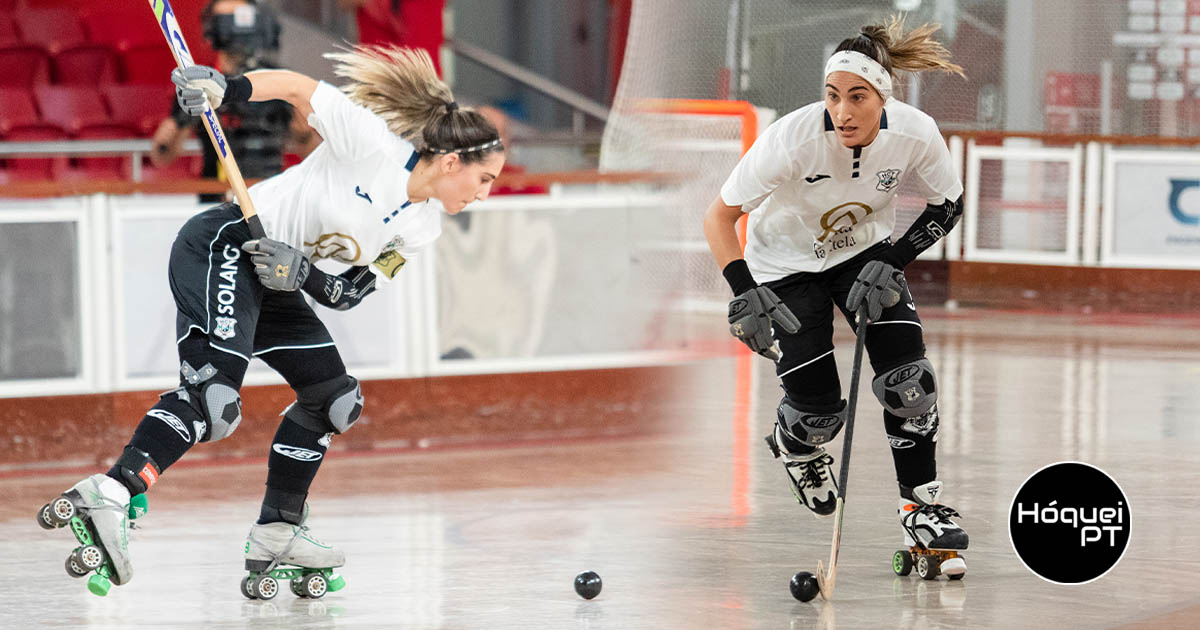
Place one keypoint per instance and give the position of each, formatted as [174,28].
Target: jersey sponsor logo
[846,215]
[816,178]
[172,421]
[295,452]
[888,179]
[359,192]
[228,284]
[389,263]
[337,246]
[1178,186]
[224,328]
[901,442]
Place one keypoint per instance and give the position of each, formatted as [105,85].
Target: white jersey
[814,203]
[348,200]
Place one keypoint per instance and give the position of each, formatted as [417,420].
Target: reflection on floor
[696,529]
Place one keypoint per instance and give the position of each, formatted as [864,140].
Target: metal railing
[135,148]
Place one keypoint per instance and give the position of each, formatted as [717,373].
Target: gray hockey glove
[878,286]
[196,84]
[280,267]
[750,317]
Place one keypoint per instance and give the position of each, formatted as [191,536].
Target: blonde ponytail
[401,86]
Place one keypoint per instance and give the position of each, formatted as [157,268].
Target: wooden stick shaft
[165,16]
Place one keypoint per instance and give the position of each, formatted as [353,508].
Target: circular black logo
[1069,523]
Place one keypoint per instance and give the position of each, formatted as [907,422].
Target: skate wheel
[927,567]
[902,562]
[265,587]
[336,583]
[99,585]
[89,557]
[43,518]
[315,585]
[73,568]
[297,585]
[60,512]
[246,585]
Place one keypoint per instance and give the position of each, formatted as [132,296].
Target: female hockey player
[820,187]
[397,152]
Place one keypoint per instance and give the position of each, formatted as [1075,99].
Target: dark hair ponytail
[898,51]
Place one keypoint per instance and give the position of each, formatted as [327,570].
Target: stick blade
[824,582]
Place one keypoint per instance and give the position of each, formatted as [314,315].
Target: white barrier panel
[1028,208]
[1151,209]
[518,283]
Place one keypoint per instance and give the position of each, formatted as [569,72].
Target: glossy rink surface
[698,529]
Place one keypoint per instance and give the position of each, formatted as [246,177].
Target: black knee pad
[811,424]
[214,397]
[329,406]
[137,469]
[908,390]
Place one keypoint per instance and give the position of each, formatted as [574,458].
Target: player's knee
[812,424]
[328,406]
[908,390]
[215,397]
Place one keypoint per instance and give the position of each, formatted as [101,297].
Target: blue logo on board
[1178,186]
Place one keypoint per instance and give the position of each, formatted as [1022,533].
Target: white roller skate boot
[813,480]
[97,511]
[933,539]
[281,551]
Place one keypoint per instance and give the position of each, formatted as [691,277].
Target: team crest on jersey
[224,328]
[396,243]
[888,179]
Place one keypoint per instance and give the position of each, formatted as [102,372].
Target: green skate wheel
[73,568]
[99,585]
[902,562]
[927,567]
[246,586]
[315,585]
[336,583]
[265,587]
[138,506]
[89,557]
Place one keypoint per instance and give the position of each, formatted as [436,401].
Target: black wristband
[899,254]
[737,274]
[237,90]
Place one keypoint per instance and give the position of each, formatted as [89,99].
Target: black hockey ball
[588,584]
[804,586]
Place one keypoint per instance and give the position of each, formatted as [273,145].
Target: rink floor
[696,530]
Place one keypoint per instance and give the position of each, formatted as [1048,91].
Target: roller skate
[933,540]
[284,552]
[98,510]
[812,476]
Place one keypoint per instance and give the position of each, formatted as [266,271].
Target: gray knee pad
[811,424]
[215,398]
[331,405]
[908,390]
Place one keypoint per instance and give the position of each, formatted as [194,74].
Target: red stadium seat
[147,63]
[8,30]
[71,107]
[16,109]
[141,107]
[54,29]
[107,167]
[86,64]
[120,28]
[34,167]
[24,66]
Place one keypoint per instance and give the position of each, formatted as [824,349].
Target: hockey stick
[825,581]
[183,58]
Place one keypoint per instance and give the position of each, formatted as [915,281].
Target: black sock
[166,432]
[913,454]
[296,454]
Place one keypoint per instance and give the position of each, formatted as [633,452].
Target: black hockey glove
[878,286]
[280,267]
